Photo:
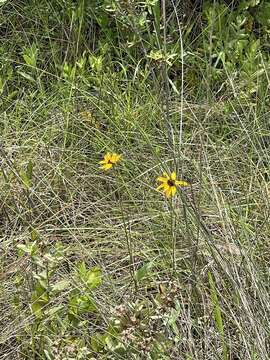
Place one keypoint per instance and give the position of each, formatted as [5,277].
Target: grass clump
[98,100]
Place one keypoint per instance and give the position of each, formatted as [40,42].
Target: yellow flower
[169,183]
[109,160]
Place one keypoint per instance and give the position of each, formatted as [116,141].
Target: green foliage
[52,317]
[144,271]
[90,278]
[129,36]
[217,314]
[86,257]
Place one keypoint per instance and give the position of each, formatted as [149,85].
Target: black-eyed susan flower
[109,160]
[169,184]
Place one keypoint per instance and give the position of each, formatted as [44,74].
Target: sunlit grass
[99,264]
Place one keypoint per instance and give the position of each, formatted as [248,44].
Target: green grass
[99,265]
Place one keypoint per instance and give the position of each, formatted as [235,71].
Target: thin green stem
[172,225]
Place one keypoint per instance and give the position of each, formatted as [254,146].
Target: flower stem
[173,235]
[129,245]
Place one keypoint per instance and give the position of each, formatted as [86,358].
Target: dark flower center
[171,182]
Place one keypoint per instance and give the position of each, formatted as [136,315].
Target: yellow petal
[161,186]
[166,175]
[166,187]
[162,179]
[103,162]
[106,166]
[173,190]
[181,183]
[108,156]
[168,191]
[115,157]
[173,175]
[112,158]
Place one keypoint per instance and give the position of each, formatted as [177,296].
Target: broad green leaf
[144,271]
[29,170]
[214,298]
[98,342]
[28,60]
[60,285]
[38,302]
[91,278]
[2,84]
[172,321]
[36,307]
[94,277]
[25,179]
[80,304]
[30,248]
[26,76]
[86,304]
[41,287]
